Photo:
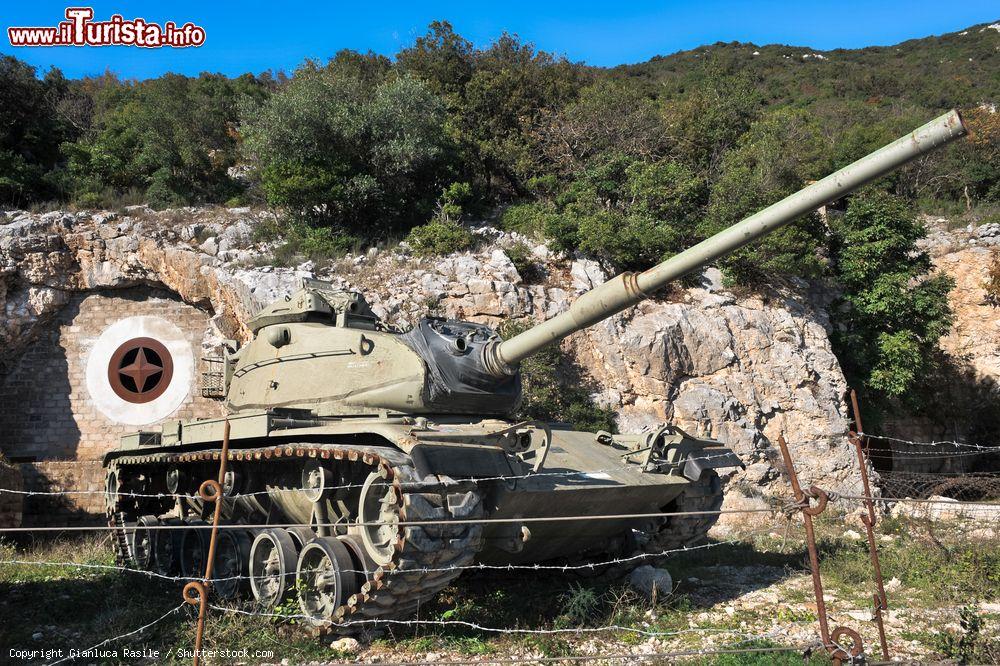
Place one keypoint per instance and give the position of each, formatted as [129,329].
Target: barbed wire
[966,445]
[776,508]
[872,453]
[468,567]
[986,474]
[783,501]
[478,627]
[348,486]
[904,454]
[608,657]
[126,635]
[975,486]
[403,523]
[917,500]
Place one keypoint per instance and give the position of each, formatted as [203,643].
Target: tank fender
[716,457]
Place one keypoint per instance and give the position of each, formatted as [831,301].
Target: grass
[73,607]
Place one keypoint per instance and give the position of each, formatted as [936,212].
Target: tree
[512,85]
[30,132]
[894,309]
[626,212]
[171,138]
[708,120]
[608,116]
[337,152]
[772,160]
[441,58]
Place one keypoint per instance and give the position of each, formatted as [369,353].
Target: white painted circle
[123,330]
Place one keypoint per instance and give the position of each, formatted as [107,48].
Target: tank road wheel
[323,577]
[194,549]
[362,563]
[167,548]
[141,541]
[379,514]
[300,537]
[272,566]
[232,558]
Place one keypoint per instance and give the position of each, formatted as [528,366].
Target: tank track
[675,532]
[671,533]
[399,587]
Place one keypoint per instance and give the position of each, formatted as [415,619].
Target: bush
[969,645]
[89,200]
[626,242]
[171,137]
[439,237]
[771,161]
[621,210]
[318,244]
[530,219]
[894,310]
[341,149]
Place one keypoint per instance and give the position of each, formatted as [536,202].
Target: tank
[368,466]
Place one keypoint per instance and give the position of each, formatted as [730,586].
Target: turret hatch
[318,301]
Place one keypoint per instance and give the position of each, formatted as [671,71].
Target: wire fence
[966,495]
[970,486]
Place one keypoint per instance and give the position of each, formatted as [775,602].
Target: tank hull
[580,478]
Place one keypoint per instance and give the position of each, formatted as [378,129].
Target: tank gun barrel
[630,288]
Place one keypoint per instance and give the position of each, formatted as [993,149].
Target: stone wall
[48,412]
[82,505]
[11,504]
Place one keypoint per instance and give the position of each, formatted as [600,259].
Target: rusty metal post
[880,602]
[196,592]
[830,639]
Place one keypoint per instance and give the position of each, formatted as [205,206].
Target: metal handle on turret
[628,289]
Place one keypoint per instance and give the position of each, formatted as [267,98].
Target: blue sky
[256,36]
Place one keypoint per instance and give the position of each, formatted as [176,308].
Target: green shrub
[439,237]
[318,244]
[530,219]
[340,148]
[627,242]
[621,210]
[89,200]
[579,604]
[771,161]
[969,645]
[894,310]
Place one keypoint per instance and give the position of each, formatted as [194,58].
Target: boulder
[651,582]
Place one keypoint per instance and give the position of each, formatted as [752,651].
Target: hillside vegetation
[627,165]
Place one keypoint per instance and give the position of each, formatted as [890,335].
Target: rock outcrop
[743,369]
[966,255]
[968,408]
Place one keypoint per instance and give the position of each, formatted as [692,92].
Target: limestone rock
[346,645]
[651,582]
